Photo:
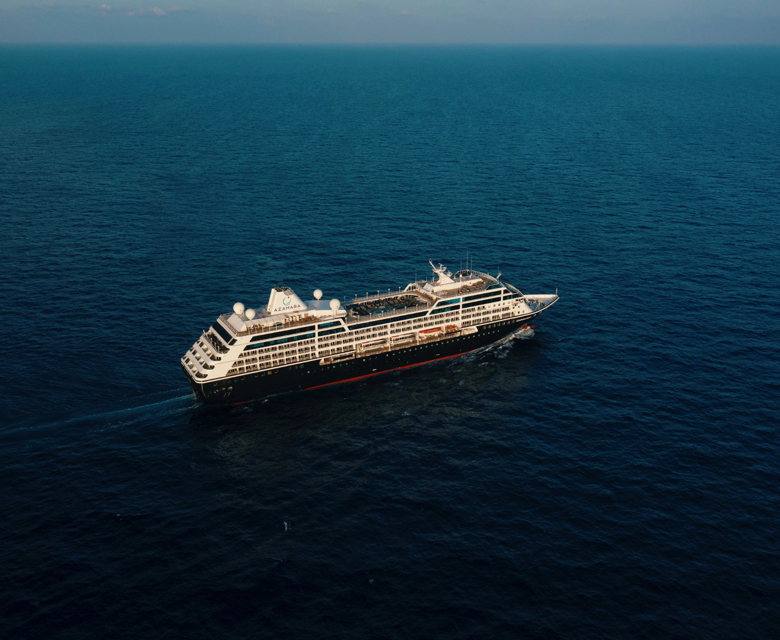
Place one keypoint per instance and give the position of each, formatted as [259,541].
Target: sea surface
[617,475]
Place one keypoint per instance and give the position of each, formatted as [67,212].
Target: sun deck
[381,304]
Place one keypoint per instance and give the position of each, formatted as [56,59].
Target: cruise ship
[293,345]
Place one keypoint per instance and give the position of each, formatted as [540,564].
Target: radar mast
[441,271]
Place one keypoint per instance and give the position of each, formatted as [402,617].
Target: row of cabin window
[270,354]
[326,342]
[254,364]
[285,347]
[482,310]
[416,324]
[330,343]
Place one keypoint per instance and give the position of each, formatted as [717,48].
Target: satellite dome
[317,294]
[335,304]
[250,314]
[238,308]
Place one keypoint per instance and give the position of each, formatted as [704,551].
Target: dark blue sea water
[615,476]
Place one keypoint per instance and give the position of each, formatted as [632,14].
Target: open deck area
[380,305]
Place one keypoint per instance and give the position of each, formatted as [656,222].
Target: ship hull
[312,374]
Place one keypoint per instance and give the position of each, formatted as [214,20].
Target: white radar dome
[250,314]
[238,308]
[334,304]
[317,294]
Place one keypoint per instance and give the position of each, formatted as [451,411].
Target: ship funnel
[284,300]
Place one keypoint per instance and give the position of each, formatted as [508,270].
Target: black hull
[308,375]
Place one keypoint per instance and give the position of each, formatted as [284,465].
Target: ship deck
[381,305]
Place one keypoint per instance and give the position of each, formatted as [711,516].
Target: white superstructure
[289,332]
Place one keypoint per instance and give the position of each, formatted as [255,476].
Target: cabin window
[324,325]
[331,331]
[267,343]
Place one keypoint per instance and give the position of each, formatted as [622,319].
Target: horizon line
[393,44]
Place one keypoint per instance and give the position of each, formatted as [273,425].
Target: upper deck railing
[381,315]
[376,297]
[268,328]
[418,287]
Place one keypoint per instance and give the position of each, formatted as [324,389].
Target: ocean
[615,476]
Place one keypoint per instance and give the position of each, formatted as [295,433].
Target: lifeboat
[428,332]
[450,328]
[379,343]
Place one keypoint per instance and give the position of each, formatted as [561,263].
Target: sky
[685,22]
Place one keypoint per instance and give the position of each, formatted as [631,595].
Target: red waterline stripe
[376,373]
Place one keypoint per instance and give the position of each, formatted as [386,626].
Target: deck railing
[380,315]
